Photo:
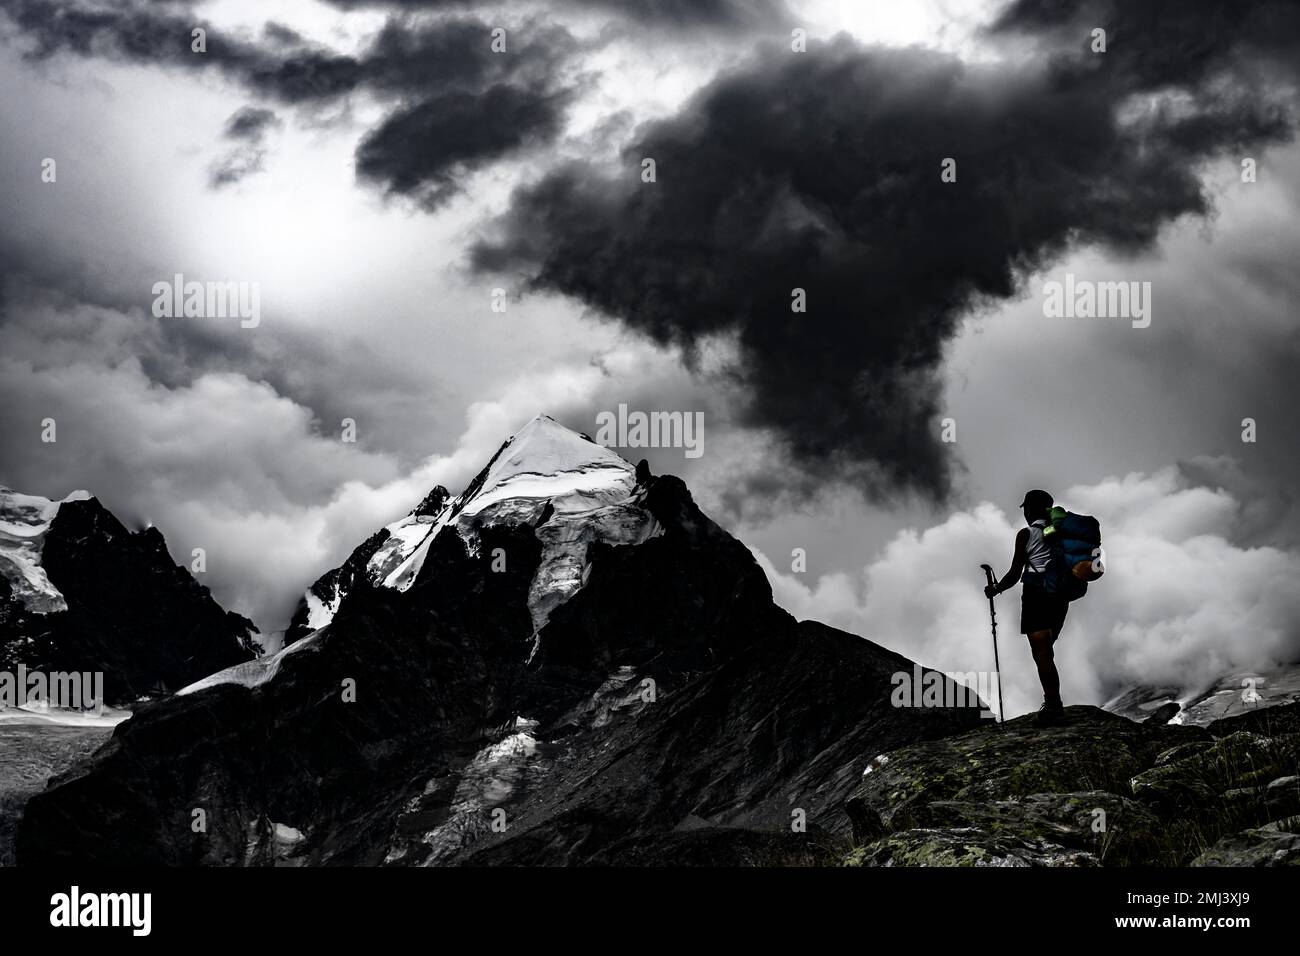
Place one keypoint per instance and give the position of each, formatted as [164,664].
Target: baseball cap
[1037,497]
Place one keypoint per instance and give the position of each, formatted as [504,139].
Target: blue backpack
[1075,545]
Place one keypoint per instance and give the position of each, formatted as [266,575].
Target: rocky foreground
[1101,791]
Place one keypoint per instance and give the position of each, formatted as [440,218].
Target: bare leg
[1040,644]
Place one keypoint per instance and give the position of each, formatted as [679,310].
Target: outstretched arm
[1017,566]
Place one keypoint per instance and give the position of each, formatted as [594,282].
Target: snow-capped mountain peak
[80,592]
[546,460]
[571,490]
[24,522]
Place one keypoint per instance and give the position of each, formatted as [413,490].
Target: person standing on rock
[1042,614]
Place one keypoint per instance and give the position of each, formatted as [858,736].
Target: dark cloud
[421,151]
[281,33]
[669,13]
[248,127]
[235,166]
[403,57]
[250,123]
[1157,42]
[146,34]
[482,106]
[413,58]
[822,172]
[462,104]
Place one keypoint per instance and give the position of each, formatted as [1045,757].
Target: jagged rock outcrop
[318,604]
[93,596]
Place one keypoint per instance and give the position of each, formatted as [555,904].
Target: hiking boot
[1051,714]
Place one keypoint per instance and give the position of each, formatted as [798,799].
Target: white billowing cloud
[295,545]
[1180,603]
[931,23]
[222,463]
[226,463]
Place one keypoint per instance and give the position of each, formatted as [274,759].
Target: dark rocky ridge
[672,709]
[346,576]
[1102,790]
[132,613]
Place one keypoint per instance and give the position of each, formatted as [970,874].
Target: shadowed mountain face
[82,593]
[455,710]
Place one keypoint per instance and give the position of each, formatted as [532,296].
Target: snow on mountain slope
[571,490]
[250,673]
[24,522]
[1234,693]
[400,557]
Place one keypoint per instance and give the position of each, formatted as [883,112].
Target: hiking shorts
[1041,611]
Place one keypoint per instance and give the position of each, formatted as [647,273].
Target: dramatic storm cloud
[418,150]
[673,13]
[462,103]
[821,172]
[250,124]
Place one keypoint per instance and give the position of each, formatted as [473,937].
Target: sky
[384,176]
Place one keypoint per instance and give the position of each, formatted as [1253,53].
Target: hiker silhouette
[1042,610]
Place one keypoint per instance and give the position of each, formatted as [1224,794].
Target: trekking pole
[993,618]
